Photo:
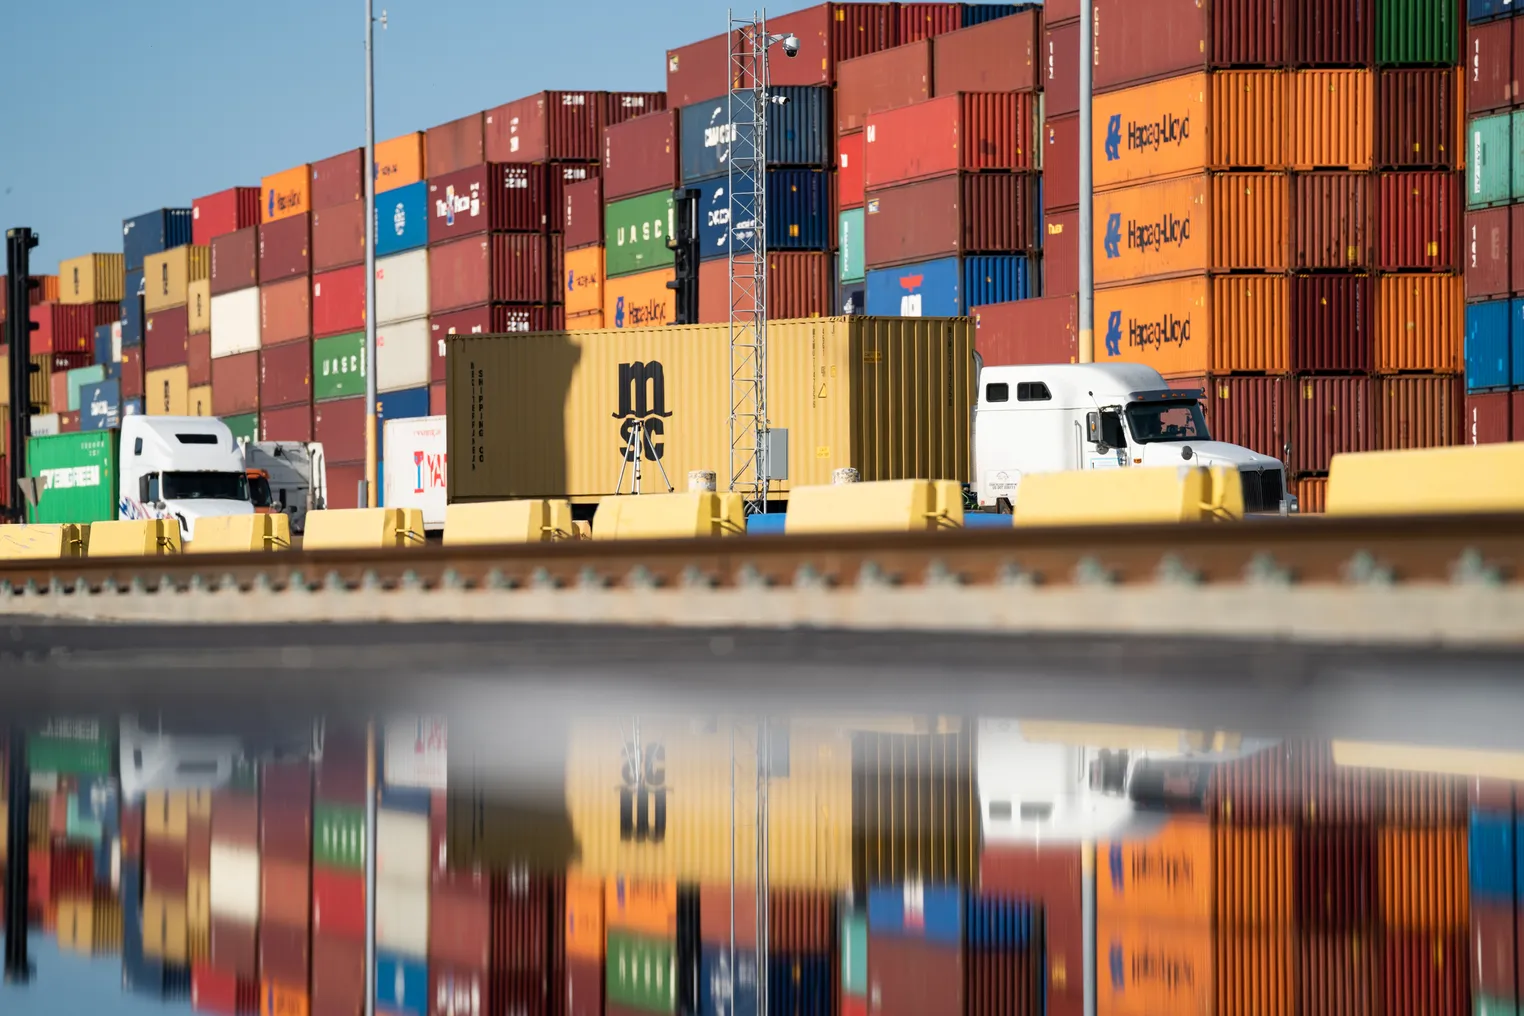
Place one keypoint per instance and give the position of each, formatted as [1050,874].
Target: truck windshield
[259,492]
[205,486]
[1167,421]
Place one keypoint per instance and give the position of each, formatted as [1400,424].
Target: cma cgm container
[1197,325]
[597,383]
[798,213]
[798,132]
[968,131]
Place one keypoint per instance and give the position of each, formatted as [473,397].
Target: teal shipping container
[80,474]
[73,747]
[83,377]
[635,234]
[1418,33]
[849,233]
[1495,173]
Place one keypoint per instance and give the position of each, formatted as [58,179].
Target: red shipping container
[340,776]
[496,197]
[338,236]
[1416,215]
[1330,33]
[454,145]
[1487,419]
[338,973]
[1060,253]
[285,376]
[285,892]
[343,483]
[235,947]
[1056,12]
[285,829]
[339,180]
[641,156]
[908,977]
[338,302]
[1334,877]
[1488,253]
[966,213]
[1332,416]
[1426,800]
[1418,411]
[67,328]
[698,71]
[921,21]
[285,310]
[560,177]
[799,285]
[1495,946]
[1251,411]
[1417,119]
[1060,159]
[339,426]
[969,131]
[497,268]
[584,987]
[338,903]
[1331,323]
[461,919]
[285,248]
[1254,790]
[489,319]
[235,261]
[619,107]
[1331,221]
[437,396]
[224,212]
[71,870]
[1490,81]
[1426,973]
[828,34]
[850,182]
[1516,228]
[1004,55]
[582,215]
[284,953]
[220,991]
[1338,974]
[133,376]
[198,355]
[235,384]
[884,80]
[1037,331]
[166,338]
[544,127]
[1517,412]
[166,867]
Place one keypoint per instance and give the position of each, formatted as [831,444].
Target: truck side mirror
[1093,427]
[1111,430]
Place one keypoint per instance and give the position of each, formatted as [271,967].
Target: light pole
[368,493]
[1086,188]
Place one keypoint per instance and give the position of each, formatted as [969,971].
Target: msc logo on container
[643,398]
[642,797]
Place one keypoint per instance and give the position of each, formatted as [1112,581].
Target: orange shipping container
[1156,968]
[286,194]
[1197,325]
[584,281]
[1423,875]
[638,301]
[399,162]
[1217,222]
[1312,495]
[1420,323]
[1167,877]
[1254,871]
[584,916]
[1418,411]
[644,906]
[584,322]
[1181,126]
[1254,974]
[282,1000]
[1329,119]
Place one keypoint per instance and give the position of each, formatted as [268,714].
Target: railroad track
[1411,580]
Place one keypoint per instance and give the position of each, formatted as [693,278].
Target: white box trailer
[413,472]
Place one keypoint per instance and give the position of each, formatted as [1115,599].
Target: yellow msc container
[167,276]
[553,414]
[198,308]
[93,278]
[166,392]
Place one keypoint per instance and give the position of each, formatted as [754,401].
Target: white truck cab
[182,468]
[1060,417]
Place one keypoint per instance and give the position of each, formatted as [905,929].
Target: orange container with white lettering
[399,162]
[1200,324]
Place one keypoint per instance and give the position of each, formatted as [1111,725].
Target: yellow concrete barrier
[363,528]
[1438,481]
[1120,496]
[887,506]
[226,534]
[669,516]
[134,538]
[508,522]
[42,541]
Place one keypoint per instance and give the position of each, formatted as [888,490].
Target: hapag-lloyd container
[799,285]
[338,180]
[640,155]
[286,193]
[1417,214]
[1331,221]
[1329,119]
[967,131]
[1333,323]
[642,300]
[1332,415]
[338,236]
[1417,121]
[285,248]
[544,127]
[494,197]
[224,212]
[235,261]
[1197,325]
[403,355]
[1488,70]
[236,322]
[496,268]
[1419,323]
[1488,254]
[850,183]
[399,161]
[1002,55]
[581,214]
[1184,125]
[285,312]
[402,286]
[899,76]
[454,145]
[798,132]
[1222,222]
[965,213]
[583,284]
[402,218]
[1421,411]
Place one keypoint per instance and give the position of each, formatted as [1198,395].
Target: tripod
[634,450]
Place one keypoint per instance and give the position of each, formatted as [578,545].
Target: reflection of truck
[170,467]
[1044,419]
[293,478]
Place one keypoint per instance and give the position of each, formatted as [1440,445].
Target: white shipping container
[414,470]
[402,847]
[45,425]
[235,882]
[416,751]
[402,918]
[402,286]
[403,358]
[235,322]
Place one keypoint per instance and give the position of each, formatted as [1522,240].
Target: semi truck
[1061,417]
[155,467]
[286,476]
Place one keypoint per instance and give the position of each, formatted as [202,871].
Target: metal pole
[18,966]
[1087,904]
[370,259]
[1086,189]
[370,867]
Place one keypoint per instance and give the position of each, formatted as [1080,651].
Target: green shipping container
[81,476]
[1485,1005]
[245,426]
[849,230]
[1495,174]
[1417,33]
[641,972]
[72,747]
[635,232]
[338,835]
[854,954]
[338,366]
[83,377]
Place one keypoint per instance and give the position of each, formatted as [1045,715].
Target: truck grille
[1262,490]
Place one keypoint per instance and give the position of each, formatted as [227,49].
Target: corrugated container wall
[640,155]
[454,145]
[1002,55]
[799,133]
[968,131]
[890,78]
[1332,416]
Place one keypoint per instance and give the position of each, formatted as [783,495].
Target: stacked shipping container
[338,878]
[402,901]
[285,882]
[168,362]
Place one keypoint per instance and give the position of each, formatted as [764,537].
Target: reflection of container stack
[1003,971]
[1494,898]
[800,925]
[915,950]
[584,945]
[854,962]
[338,877]
[167,278]
[285,876]
[166,885]
[641,973]
[402,900]
[235,885]
[493,942]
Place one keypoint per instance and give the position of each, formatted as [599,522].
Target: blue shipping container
[1485,10]
[402,219]
[853,299]
[798,203]
[987,520]
[926,289]
[799,985]
[404,405]
[978,14]
[402,983]
[413,800]
[714,982]
[100,406]
[108,341]
[153,232]
[996,922]
[995,278]
[1488,362]
[799,132]
[1516,340]
[132,310]
[931,912]
[770,524]
[1491,856]
[132,407]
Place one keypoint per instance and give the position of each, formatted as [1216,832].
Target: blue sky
[127,107]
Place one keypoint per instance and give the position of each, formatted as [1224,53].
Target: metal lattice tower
[747,187]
